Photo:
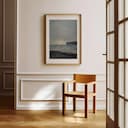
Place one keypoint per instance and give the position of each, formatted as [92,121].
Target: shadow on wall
[42,36]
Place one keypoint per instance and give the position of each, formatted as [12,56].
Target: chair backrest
[84,78]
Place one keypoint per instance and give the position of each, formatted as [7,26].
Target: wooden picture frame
[63,38]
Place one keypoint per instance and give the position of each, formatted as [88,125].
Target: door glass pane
[111,14]
[108,18]
[126,114]
[121,78]
[108,103]
[111,47]
[121,9]
[111,76]
[126,81]
[126,8]
[111,97]
[108,76]
[126,39]
[121,113]
[121,41]
[108,49]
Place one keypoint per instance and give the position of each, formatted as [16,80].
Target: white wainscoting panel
[40,89]
[44,92]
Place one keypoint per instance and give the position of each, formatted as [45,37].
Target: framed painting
[63,38]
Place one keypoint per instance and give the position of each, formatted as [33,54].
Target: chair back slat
[84,78]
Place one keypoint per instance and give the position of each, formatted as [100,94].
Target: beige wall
[31,70]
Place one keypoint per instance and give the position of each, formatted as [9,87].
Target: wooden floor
[50,119]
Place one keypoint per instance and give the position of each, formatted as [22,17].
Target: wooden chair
[87,80]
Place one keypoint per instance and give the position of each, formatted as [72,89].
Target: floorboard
[50,119]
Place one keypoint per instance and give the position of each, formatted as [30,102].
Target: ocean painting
[63,39]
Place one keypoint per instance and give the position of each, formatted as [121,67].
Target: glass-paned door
[117,63]
[123,63]
[110,62]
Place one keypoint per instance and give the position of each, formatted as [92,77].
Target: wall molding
[7,67]
[26,103]
[4,81]
[55,73]
[100,77]
[4,60]
[22,99]
[3,55]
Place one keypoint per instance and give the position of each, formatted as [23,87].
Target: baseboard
[100,105]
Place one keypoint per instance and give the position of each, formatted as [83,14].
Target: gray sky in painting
[62,31]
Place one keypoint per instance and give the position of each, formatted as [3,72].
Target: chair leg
[94,98]
[63,105]
[94,104]
[86,102]
[63,99]
[74,104]
[74,99]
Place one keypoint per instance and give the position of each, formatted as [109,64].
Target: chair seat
[79,94]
